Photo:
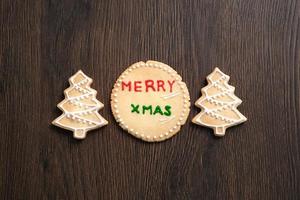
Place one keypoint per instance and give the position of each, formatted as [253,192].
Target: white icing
[166,119]
[79,116]
[224,90]
[171,95]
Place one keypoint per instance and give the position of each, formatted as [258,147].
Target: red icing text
[148,86]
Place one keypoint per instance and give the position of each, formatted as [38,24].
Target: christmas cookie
[218,104]
[80,107]
[150,101]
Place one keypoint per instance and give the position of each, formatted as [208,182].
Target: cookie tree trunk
[219,131]
[79,134]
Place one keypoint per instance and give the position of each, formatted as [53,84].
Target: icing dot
[120,120]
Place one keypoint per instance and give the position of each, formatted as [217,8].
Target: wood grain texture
[42,43]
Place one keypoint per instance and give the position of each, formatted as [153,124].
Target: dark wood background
[256,42]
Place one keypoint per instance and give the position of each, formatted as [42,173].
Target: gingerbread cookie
[80,107]
[150,101]
[218,104]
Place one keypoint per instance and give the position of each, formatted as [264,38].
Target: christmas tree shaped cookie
[150,101]
[80,107]
[218,104]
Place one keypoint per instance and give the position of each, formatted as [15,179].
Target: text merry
[148,85]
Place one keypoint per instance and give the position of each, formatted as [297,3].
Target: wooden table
[42,43]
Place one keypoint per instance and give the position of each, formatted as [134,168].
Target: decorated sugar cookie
[80,107]
[218,104]
[150,101]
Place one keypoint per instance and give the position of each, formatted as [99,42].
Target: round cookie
[150,101]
